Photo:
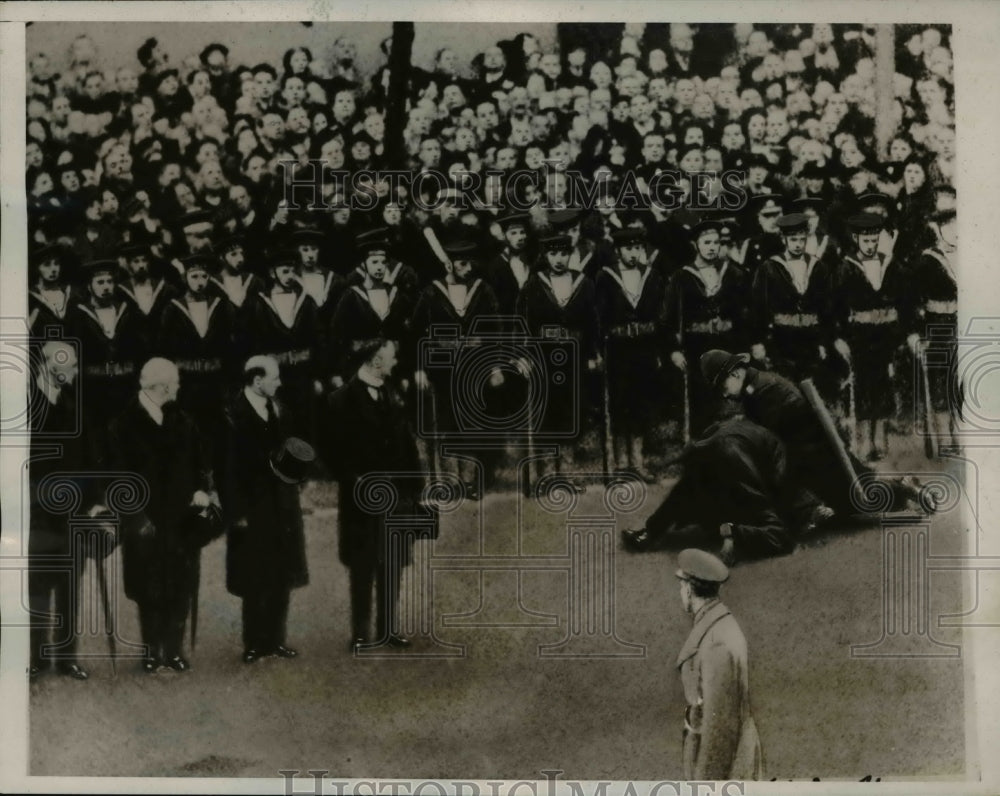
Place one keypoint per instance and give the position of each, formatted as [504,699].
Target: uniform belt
[199,365]
[876,316]
[357,345]
[712,326]
[634,329]
[109,369]
[941,307]
[293,357]
[799,319]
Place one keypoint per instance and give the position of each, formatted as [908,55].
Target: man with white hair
[160,443]
[54,423]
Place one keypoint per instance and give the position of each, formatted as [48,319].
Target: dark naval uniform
[935,283]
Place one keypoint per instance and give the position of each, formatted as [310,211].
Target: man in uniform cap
[49,295]
[629,302]
[144,288]
[704,307]
[764,210]
[508,272]
[720,736]
[790,305]
[556,300]
[236,282]
[872,296]
[817,482]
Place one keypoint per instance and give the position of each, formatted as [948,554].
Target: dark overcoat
[270,551]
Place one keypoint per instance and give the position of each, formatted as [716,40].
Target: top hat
[292,460]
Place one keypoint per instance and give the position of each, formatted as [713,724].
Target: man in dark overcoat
[367,434]
[160,443]
[265,541]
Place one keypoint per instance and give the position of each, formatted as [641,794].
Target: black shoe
[285,652]
[150,665]
[821,516]
[178,664]
[73,670]
[399,642]
[33,672]
[471,491]
[251,656]
[636,541]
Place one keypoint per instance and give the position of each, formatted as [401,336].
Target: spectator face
[632,255]
[859,182]
[774,66]
[798,103]
[600,100]
[216,63]
[681,38]
[913,177]
[577,58]
[640,108]
[867,243]
[392,214]
[713,160]
[102,287]
[82,51]
[465,139]
[200,85]
[692,161]
[234,259]
[374,125]
[430,153]
[811,151]
[343,106]
[294,92]
[60,110]
[756,128]
[732,136]
[315,95]
[558,260]
[297,121]
[693,136]
[33,155]
[211,175]
[777,126]
[376,265]
[539,127]
[109,204]
[452,97]
[757,44]
[272,128]
[750,98]
[850,155]
[246,142]
[142,115]
[93,87]
[774,93]
[652,149]
[299,62]
[620,110]
[255,168]
[534,158]
[822,34]
[168,86]
[486,116]
[506,158]
[659,90]
[185,196]
[939,62]
[320,122]
[685,91]
[263,86]
[626,66]
[447,62]
[70,181]
[493,59]
[40,68]
[49,270]
[656,62]
[837,106]
[930,40]
[332,154]
[126,81]
[600,75]
[118,163]
[558,156]
[309,255]
[207,150]
[550,65]
[240,196]
[769,220]
[703,107]
[945,142]
[930,93]
[520,132]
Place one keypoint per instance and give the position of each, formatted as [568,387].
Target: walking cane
[194,600]
[687,406]
[434,450]
[930,422]
[607,453]
[852,409]
[109,619]
[528,479]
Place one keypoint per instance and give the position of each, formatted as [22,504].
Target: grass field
[502,710]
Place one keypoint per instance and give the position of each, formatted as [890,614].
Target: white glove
[496,378]
[201,500]
[337,382]
[842,348]
[523,367]
[420,380]
[822,352]
[913,341]
[677,357]
[757,351]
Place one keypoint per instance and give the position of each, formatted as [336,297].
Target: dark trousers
[53,597]
[265,616]
[162,626]
[385,577]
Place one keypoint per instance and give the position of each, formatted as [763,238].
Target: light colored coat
[720,737]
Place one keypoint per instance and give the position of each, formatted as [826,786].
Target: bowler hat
[717,364]
[292,460]
[695,564]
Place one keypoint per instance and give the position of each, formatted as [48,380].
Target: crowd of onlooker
[116,151]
